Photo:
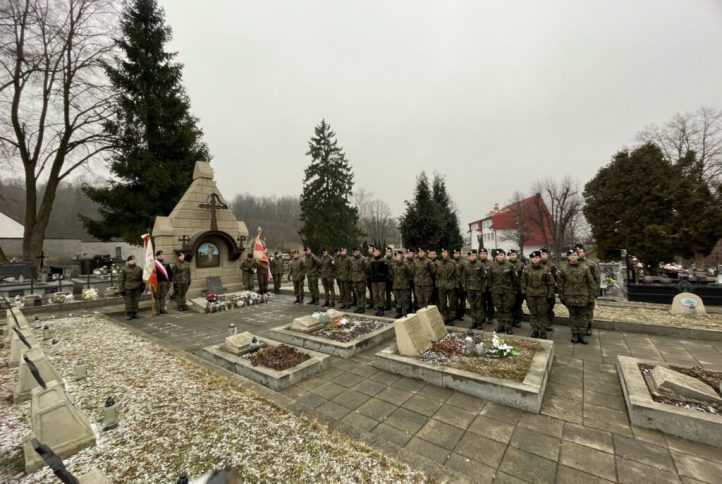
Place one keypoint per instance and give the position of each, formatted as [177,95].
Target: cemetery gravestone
[674,384]
[214,285]
[306,324]
[412,337]
[687,304]
[238,344]
[26,381]
[432,322]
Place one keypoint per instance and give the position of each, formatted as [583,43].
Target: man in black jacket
[379,274]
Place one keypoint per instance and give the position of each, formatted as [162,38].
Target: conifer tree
[450,237]
[156,140]
[421,225]
[328,219]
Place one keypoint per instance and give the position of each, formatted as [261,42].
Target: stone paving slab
[581,435]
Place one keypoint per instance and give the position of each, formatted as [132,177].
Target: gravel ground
[643,315]
[177,417]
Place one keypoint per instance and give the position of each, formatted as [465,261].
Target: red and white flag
[149,263]
[259,252]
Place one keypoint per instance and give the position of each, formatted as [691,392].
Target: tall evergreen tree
[328,219]
[450,237]
[157,141]
[421,224]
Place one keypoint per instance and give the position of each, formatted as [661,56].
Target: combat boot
[542,335]
[135,315]
[333,304]
[535,334]
[582,340]
[575,338]
[509,330]
[381,312]
[589,328]
[312,301]
[129,316]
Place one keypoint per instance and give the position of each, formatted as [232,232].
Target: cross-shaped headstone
[241,241]
[213,206]
[184,239]
[42,258]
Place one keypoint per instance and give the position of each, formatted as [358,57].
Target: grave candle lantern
[80,370]
[46,333]
[110,414]
[232,329]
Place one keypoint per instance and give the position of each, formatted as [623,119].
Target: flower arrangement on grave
[212,303]
[90,294]
[59,298]
[500,348]
[340,323]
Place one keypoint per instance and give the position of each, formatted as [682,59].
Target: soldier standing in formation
[446,281]
[594,270]
[434,288]
[277,272]
[487,301]
[389,259]
[327,271]
[460,292]
[402,276]
[359,271]
[552,300]
[369,257]
[423,279]
[379,274]
[410,261]
[537,284]
[248,270]
[518,265]
[576,290]
[474,282]
[181,281]
[131,287]
[164,283]
[297,275]
[502,282]
[313,267]
[343,276]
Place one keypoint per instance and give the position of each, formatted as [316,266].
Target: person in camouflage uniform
[131,287]
[163,284]
[434,288]
[277,272]
[474,282]
[327,276]
[343,276]
[423,279]
[594,269]
[370,299]
[297,275]
[401,276]
[502,282]
[537,283]
[460,291]
[518,265]
[313,268]
[410,259]
[486,299]
[576,289]
[248,271]
[359,276]
[379,272]
[181,281]
[389,258]
[446,281]
[550,267]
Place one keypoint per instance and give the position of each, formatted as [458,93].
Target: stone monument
[687,304]
[433,322]
[674,384]
[26,381]
[412,335]
[203,227]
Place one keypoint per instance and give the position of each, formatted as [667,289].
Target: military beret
[483,251]
[536,253]
[389,248]
[511,251]
[457,251]
[421,250]
[307,248]
[409,251]
[158,252]
[579,246]
[444,250]
[130,257]
[354,249]
[544,250]
[399,252]
[571,251]
[295,251]
[472,251]
[498,251]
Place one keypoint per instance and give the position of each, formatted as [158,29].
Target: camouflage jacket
[536,280]
[130,278]
[401,275]
[343,268]
[181,273]
[502,279]
[576,285]
[446,277]
[327,267]
[298,270]
[359,269]
[475,276]
[423,272]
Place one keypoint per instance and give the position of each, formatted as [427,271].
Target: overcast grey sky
[492,94]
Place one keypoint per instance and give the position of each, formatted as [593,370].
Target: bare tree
[520,219]
[375,219]
[564,202]
[53,95]
[700,131]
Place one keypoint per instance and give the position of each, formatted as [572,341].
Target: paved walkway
[582,435]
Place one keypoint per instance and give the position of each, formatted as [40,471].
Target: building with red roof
[527,221]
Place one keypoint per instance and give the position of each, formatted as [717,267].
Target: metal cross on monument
[184,239]
[213,206]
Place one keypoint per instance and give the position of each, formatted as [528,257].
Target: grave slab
[412,336]
[57,423]
[302,339]
[18,348]
[26,381]
[527,395]
[273,379]
[687,304]
[645,412]
[675,384]
[433,322]
[238,344]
